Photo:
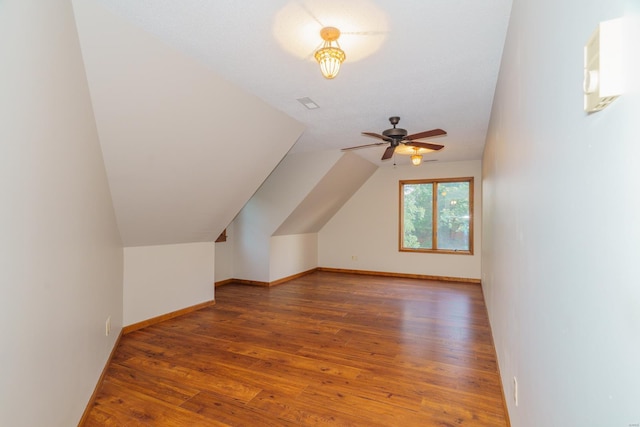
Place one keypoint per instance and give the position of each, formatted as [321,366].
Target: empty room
[319,212]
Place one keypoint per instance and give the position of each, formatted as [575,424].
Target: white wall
[60,251]
[250,246]
[292,254]
[286,187]
[224,257]
[165,278]
[328,195]
[560,256]
[367,227]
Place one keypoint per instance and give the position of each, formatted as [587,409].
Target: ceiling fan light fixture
[398,141]
[330,56]
[416,158]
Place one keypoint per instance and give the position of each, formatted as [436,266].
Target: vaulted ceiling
[196,102]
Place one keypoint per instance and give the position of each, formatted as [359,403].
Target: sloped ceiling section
[432,62]
[285,189]
[281,193]
[184,149]
[328,196]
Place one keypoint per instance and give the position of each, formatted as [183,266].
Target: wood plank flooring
[325,349]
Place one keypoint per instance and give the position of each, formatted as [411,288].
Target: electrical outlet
[107,329]
[354,257]
[515,390]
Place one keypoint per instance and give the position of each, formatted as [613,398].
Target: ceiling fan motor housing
[395,133]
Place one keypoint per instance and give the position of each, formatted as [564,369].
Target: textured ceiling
[432,62]
[196,100]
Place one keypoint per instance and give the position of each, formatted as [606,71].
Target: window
[436,215]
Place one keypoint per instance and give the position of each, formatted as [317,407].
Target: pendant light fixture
[330,56]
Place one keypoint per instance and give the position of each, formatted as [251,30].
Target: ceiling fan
[396,136]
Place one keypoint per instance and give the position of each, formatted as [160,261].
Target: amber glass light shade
[330,56]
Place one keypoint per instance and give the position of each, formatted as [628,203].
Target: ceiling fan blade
[377,135]
[388,152]
[426,134]
[363,146]
[426,145]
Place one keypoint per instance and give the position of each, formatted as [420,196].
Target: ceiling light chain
[330,56]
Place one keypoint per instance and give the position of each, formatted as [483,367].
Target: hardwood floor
[324,349]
